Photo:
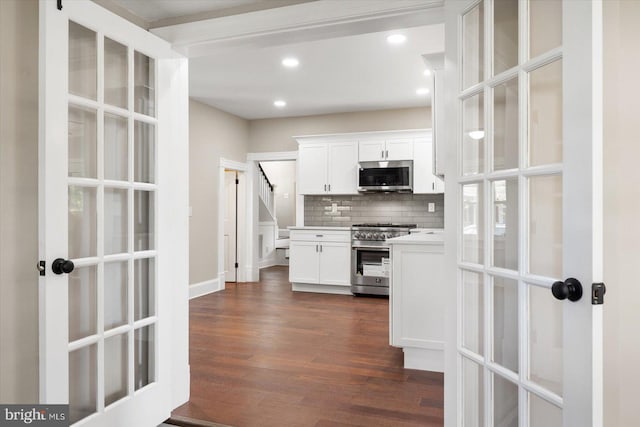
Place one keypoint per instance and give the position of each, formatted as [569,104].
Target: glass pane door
[510,179]
[112,231]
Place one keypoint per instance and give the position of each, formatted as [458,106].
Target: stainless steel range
[370,256]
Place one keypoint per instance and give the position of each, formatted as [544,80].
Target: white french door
[113,218]
[523,86]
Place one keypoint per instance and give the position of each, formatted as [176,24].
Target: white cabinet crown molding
[363,136]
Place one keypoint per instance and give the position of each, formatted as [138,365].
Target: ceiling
[336,73]
[353,73]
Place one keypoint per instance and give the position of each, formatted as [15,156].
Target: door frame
[241,168]
[253,212]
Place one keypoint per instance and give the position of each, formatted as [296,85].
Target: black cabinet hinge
[597,293]
[237,265]
[237,181]
[59,4]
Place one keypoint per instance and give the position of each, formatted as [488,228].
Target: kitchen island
[416,299]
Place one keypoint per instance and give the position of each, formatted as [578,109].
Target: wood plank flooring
[262,355]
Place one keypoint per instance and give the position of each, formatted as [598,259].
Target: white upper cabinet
[371,151]
[328,164]
[328,168]
[313,169]
[399,149]
[424,181]
[389,149]
[342,168]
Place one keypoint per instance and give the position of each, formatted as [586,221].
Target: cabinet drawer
[320,235]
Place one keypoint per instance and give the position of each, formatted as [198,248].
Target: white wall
[277,134]
[18,201]
[622,209]
[212,134]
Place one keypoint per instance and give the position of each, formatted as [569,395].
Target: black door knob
[570,289]
[60,266]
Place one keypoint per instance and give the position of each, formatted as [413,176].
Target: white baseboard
[321,289]
[423,359]
[270,261]
[203,288]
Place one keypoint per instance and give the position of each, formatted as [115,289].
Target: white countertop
[424,238]
[319,228]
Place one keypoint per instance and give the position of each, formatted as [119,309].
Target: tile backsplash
[370,208]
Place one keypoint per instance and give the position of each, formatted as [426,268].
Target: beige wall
[212,134]
[18,201]
[277,134]
[622,213]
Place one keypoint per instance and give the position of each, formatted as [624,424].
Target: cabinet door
[304,262]
[335,264]
[313,169]
[343,167]
[399,149]
[423,178]
[371,151]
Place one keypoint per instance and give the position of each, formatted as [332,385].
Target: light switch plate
[432,207]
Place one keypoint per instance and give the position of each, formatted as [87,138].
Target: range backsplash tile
[366,208]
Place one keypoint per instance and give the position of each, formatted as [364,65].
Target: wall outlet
[334,208]
[431,207]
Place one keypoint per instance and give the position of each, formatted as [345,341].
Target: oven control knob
[356,235]
[379,236]
[369,236]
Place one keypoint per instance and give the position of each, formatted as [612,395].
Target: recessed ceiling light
[280,103]
[427,72]
[290,62]
[422,91]
[476,134]
[396,39]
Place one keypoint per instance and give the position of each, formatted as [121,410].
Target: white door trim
[226,164]
[252,268]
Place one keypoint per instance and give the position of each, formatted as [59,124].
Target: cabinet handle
[329,187]
[382,154]
[319,235]
[316,248]
[320,248]
[433,185]
[386,154]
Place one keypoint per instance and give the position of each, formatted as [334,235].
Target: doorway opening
[232,222]
[277,211]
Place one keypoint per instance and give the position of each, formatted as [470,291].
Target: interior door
[524,82]
[230,226]
[113,218]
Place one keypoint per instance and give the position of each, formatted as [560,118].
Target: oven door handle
[376,248]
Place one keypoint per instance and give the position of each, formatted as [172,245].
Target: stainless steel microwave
[386,176]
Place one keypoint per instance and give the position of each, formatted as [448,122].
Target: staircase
[265,192]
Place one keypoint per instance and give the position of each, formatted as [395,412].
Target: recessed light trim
[280,103]
[396,39]
[290,62]
[476,134]
[427,72]
[422,91]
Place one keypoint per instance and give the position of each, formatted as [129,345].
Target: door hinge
[236,265]
[59,4]
[42,267]
[237,181]
[597,293]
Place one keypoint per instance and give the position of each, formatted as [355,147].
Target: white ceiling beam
[315,20]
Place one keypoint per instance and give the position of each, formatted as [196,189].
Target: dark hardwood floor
[262,355]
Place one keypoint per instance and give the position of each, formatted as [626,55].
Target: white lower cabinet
[320,260]
[416,304]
